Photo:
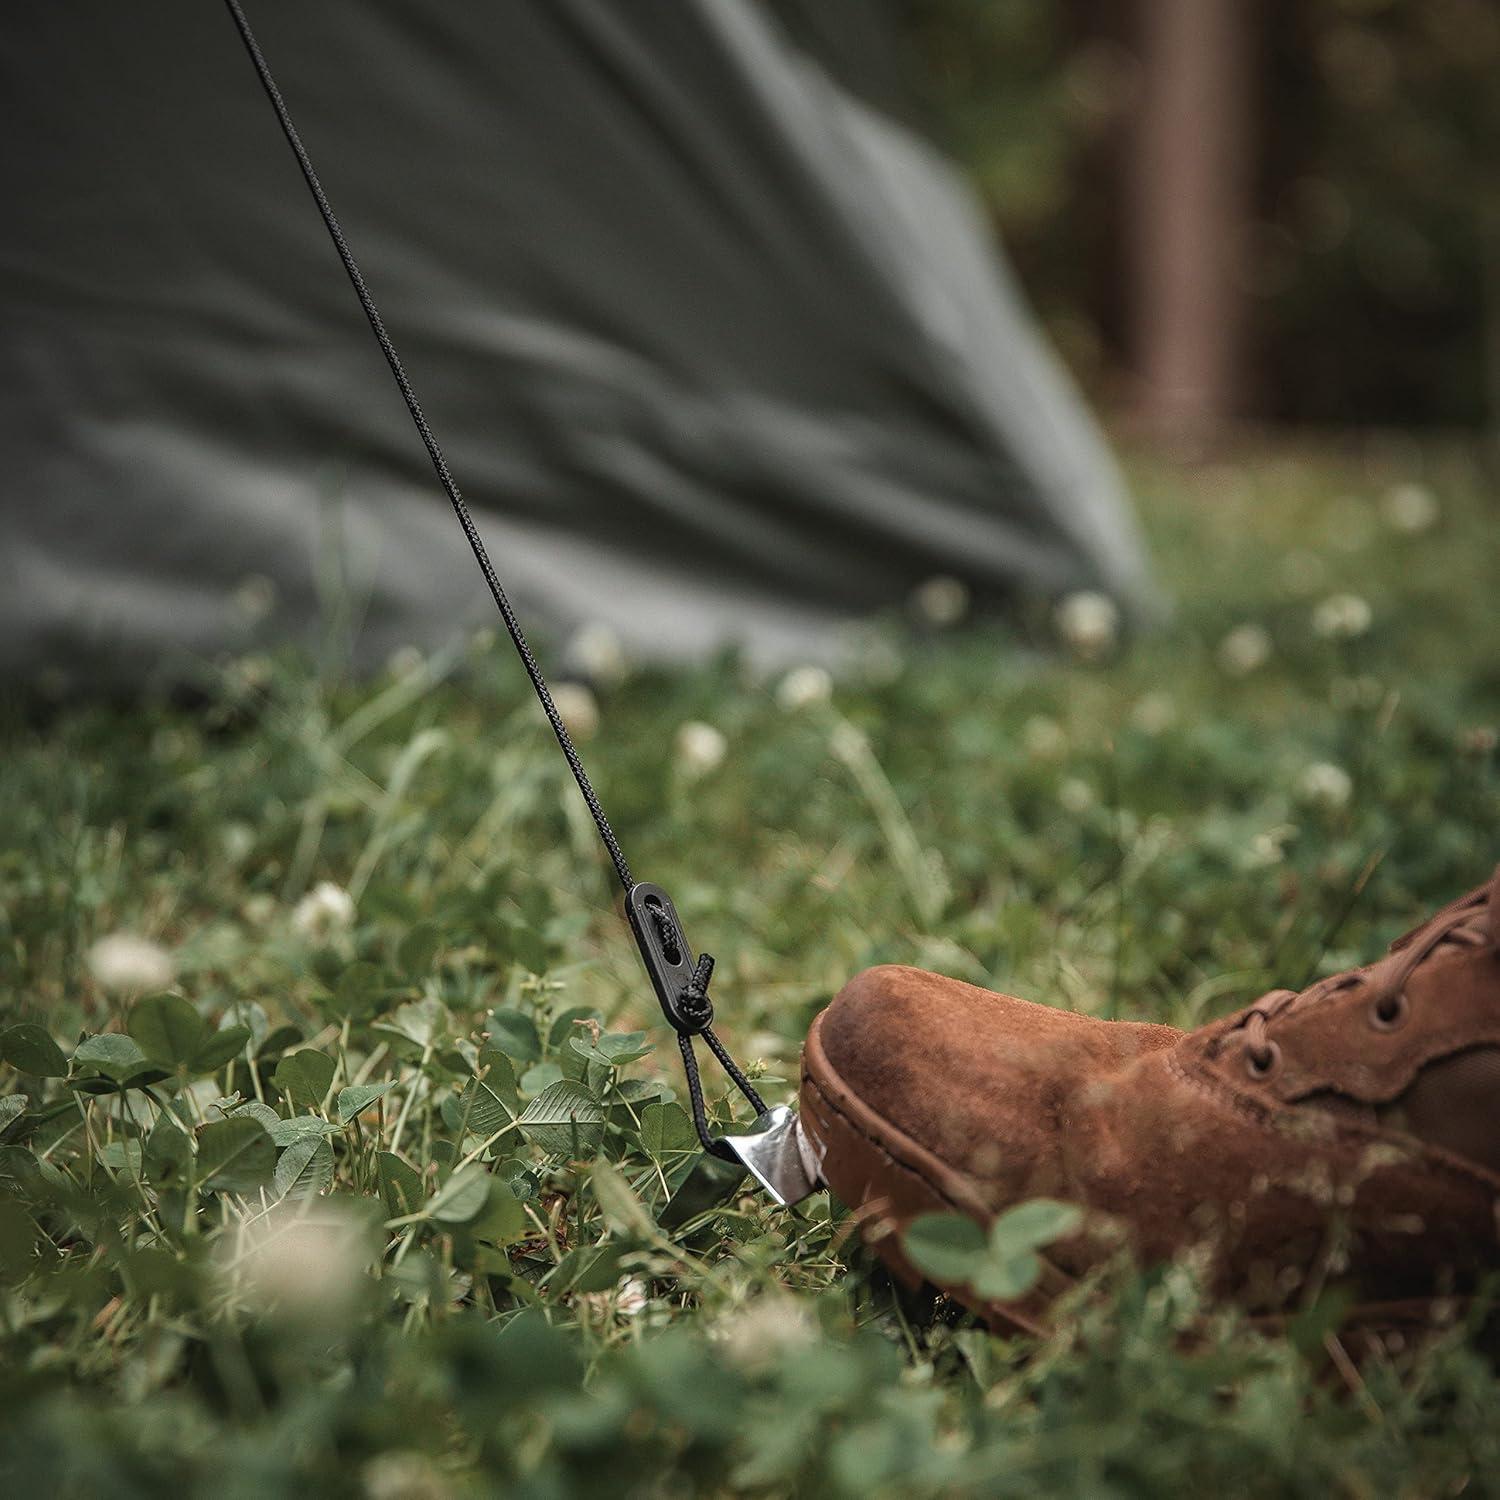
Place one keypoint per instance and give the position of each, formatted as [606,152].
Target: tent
[719,353]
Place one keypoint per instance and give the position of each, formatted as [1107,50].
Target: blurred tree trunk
[1489,263]
[1189,208]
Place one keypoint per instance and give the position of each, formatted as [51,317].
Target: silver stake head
[779,1155]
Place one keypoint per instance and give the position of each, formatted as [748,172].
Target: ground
[397,1235]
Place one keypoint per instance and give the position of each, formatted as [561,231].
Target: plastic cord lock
[680,982]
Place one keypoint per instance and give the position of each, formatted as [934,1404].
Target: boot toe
[973,1077]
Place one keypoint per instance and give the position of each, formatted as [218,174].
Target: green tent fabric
[719,353]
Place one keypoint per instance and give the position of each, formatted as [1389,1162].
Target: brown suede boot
[1349,1134]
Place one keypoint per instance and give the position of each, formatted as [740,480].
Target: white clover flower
[1481,739]
[630,1297]
[405,661]
[260,909]
[1076,795]
[579,709]
[125,964]
[1043,738]
[1342,617]
[252,672]
[804,686]
[254,598]
[1269,846]
[1326,784]
[700,748]
[297,1265]
[237,840]
[595,652]
[940,601]
[1411,508]
[756,1336]
[324,912]
[1089,623]
[1246,649]
[1154,713]
[405,1474]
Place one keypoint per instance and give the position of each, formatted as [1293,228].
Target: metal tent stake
[774,1150]
[779,1155]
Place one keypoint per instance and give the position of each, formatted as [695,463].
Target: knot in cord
[694,1011]
[692,999]
[681,984]
[695,1018]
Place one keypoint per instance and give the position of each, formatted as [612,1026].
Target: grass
[367,1201]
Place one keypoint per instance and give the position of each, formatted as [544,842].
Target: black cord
[732,1068]
[695,1099]
[696,1000]
[699,1012]
[435,453]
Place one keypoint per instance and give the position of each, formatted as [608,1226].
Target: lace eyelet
[1262,1064]
[1390,1012]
